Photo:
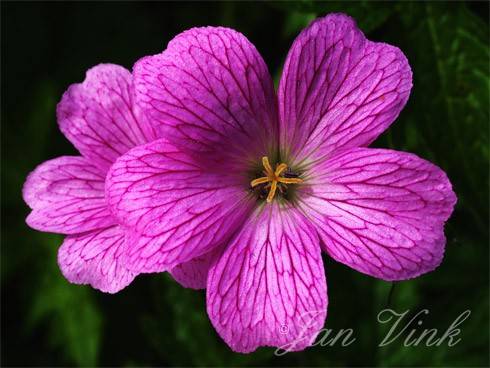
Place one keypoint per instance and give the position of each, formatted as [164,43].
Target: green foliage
[155,322]
[179,339]
[369,15]
[69,313]
[450,109]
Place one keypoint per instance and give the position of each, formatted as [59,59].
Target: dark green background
[47,321]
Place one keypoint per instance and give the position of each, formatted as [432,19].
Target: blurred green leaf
[35,130]
[369,15]
[296,21]
[448,49]
[187,336]
[69,310]
[446,121]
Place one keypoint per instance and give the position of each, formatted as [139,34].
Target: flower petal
[177,205]
[194,273]
[269,288]
[379,211]
[96,258]
[66,195]
[339,90]
[210,91]
[98,117]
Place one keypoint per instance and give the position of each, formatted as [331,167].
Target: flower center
[274,179]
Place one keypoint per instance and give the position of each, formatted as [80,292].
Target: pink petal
[381,212]
[194,273]
[66,195]
[210,91]
[96,258]
[98,117]
[178,206]
[269,287]
[339,90]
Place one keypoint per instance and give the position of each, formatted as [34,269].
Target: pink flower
[247,187]
[196,204]
[66,194]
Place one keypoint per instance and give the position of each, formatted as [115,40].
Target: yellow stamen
[280,169]
[290,180]
[267,165]
[272,192]
[259,181]
[273,178]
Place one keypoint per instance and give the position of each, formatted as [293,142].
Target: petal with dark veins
[193,274]
[338,90]
[96,258]
[210,91]
[379,211]
[99,118]
[177,206]
[66,195]
[269,288]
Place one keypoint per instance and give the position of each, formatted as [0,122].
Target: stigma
[274,179]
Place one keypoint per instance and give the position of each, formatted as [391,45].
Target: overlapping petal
[194,273]
[210,91]
[177,205]
[96,258]
[98,116]
[379,211]
[66,195]
[269,287]
[338,90]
